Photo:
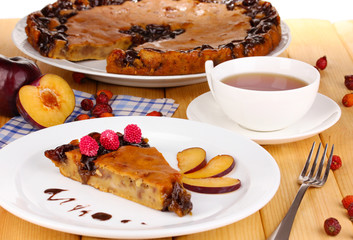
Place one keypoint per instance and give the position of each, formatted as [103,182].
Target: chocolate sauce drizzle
[102,216]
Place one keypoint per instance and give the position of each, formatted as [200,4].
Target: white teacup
[263,110]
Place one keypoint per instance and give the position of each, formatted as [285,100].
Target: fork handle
[282,232]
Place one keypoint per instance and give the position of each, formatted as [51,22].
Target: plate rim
[42,221]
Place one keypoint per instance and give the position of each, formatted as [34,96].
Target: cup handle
[208,67]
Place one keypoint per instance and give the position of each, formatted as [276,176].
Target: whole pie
[137,172]
[154,37]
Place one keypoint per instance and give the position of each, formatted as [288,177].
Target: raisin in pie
[154,37]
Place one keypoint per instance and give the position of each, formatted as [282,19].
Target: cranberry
[321,63]
[87,104]
[102,98]
[348,81]
[100,108]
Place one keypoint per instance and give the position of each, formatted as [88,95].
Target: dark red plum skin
[14,73]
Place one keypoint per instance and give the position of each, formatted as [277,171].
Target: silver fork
[307,179]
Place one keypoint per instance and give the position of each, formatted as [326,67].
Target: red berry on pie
[132,133]
[332,226]
[88,146]
[336,162]
[109,140]
[321,63]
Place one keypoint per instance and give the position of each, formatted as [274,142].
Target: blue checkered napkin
[122,105]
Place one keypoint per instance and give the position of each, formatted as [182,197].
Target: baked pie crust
[136,172]
[154,37]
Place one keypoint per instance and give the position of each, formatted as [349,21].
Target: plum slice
[191,159]
[211,185]
[218,166]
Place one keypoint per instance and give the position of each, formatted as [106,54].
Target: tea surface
[264,82]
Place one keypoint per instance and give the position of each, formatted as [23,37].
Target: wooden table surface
[311,39]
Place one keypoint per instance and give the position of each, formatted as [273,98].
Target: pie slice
[136,172]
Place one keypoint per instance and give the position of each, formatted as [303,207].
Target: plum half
[47,102]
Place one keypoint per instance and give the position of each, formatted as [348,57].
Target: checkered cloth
[122,105]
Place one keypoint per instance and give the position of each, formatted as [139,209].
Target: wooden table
[311,39]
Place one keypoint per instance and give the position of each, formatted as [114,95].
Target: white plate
[323,114]
[26,174]
[95,69]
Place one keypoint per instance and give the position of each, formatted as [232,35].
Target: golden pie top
[140,163]
[201,23]
[182,25]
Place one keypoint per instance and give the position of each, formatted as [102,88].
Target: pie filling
[85,29]
[136,172]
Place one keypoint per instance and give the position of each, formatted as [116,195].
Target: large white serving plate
[95,69]
[27,173]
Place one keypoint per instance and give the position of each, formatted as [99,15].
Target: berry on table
[348,81]
[102,98]
[321,63]
[78,77]
[347,100]
[82,117]
[332,226]
[100,108]
[107,92]
[347,200]
[154,113]
[336,162]
[87,104]
[350,212]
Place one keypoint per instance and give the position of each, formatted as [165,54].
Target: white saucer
[323,114]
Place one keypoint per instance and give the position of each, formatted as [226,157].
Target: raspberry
[132,133]
[81,117]
[87,104]
[154,113]
[348,81]
[107,92]
[78,77]
[347,100]
[109,140]
[100,108]
[321,63]
[336,162]
[347,200]
[102,98]
[88,146]
[332,226]
[350,211]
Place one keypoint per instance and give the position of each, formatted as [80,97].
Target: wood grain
[311,39]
